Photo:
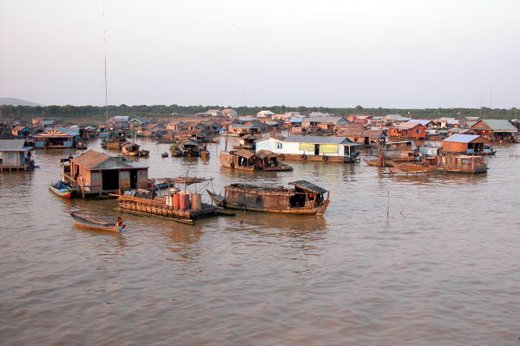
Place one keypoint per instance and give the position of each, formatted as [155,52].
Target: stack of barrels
[180,200]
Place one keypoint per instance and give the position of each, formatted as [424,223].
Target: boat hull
[90,224]
[221,201]
[64,193]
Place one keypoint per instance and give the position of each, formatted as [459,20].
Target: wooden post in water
[388,205]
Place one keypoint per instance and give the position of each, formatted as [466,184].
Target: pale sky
[337,53]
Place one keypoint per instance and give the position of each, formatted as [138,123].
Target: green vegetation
[95,113]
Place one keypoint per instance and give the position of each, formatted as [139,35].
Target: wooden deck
[9,168]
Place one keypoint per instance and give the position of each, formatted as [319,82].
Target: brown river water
[442,269]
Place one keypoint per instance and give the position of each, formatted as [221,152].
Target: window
[279,145]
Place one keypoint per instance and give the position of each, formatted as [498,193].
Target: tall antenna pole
[105,54]
[106,90]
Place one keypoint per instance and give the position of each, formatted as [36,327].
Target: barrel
[196,203]
[182,198]
[185,201]
[176,201]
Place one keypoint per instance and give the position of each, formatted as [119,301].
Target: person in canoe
[119,223]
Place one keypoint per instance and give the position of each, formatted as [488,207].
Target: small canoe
[165,154]
[88,223]
[62,189]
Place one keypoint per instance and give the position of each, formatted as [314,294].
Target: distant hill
[16,102]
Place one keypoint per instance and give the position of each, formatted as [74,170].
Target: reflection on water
[442,268]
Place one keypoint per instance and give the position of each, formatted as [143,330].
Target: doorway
[110,180]
[316,149]
[133,179]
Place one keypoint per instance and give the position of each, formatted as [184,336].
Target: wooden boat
[246,160]
[178,205]
[302,198]
[88,223]
[62,189]
[189,148]
[411,168]
[165,154]
[133,149]
[462,164]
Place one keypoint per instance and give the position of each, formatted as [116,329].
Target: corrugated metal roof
[262,154]
[500,125]
[408,125]
[460,138]
[323,119]
[59,132]
[245,153]
[96,160]
[318,139]
[13,145]
[424,122]
[304,184]
[91,159]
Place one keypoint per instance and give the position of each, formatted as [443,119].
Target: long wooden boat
[62,189]
[411,168]
[462,164]
[88,223]
[302,198]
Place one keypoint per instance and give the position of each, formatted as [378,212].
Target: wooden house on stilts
[94,174]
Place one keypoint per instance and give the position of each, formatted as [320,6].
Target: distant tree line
[99,113]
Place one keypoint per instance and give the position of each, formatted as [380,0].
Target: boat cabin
[302,197]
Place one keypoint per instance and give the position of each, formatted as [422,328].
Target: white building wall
[272,144]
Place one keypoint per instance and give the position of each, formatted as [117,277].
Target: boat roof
[262,154]
[305,185]
[184,180]
[244,153]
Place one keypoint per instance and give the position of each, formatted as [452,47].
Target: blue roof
[68,131]
[460,138]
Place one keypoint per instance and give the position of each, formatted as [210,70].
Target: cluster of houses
[316,136]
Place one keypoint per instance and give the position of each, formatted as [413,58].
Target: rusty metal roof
[305,185]
[245,153]
[262,154]
[96,160]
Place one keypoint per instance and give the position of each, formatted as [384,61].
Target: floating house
[408,130]
[358,134]
[311,148]
[119,122]
[463,144]
[495,129]
[57,138]
[93,173]
[15,155]
[241,129]
[21,131]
